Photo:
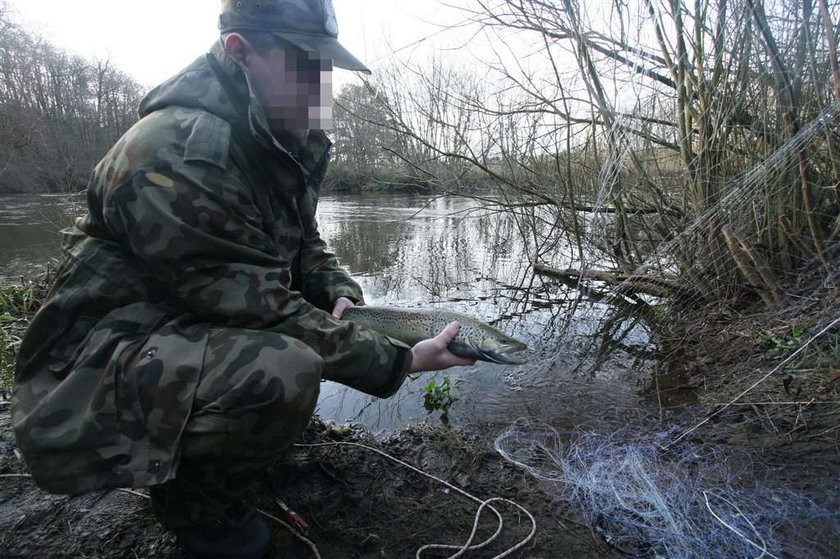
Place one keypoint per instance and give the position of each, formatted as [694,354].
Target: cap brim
[326,47]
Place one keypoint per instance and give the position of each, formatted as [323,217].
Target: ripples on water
[448,253]
[29,226]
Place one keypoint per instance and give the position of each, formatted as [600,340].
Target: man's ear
[237,47]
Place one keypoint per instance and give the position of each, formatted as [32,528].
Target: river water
[448,253]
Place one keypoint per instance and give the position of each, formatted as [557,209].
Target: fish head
[500,348]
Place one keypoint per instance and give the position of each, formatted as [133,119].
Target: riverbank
[19,299]
[761,434]
[357,502]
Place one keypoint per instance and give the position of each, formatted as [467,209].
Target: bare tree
[58,113]
[362,136]
[706,116]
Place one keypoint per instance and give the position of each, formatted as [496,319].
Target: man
[197,310]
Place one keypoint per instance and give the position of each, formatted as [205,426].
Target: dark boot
[239,533]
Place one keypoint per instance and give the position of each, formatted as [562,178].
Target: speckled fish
[475,339]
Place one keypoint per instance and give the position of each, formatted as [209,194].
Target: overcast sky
[152,39]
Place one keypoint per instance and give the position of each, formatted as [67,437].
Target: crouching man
[197,310]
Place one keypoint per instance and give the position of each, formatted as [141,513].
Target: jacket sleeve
[323,279]
[193,227]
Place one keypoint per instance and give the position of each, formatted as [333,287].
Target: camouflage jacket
[181,230]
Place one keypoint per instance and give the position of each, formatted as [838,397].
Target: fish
[475,339]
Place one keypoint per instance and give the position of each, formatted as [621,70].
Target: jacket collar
[308,154]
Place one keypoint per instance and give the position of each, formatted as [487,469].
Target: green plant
[7,360]
[18,299]
[437,396]
[779,345]
[660,313]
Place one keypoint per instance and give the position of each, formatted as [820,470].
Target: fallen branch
[651,285]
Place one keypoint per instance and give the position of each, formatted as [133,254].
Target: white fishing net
[690,500]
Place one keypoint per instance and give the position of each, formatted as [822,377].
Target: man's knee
[263,384]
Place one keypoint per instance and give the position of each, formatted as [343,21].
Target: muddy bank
[733,383]
[358,503]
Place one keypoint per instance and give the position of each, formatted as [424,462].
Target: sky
[152,39]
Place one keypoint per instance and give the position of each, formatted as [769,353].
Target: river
[443,252]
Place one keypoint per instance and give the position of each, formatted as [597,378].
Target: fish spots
[160,180]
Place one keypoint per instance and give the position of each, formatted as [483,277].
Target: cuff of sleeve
[402,364]
[354,295]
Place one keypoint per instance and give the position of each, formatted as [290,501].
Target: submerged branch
[651,285]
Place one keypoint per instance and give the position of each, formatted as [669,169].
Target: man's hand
[433,355]
[340,304]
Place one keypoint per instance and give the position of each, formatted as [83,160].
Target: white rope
[762,547]
[468,545]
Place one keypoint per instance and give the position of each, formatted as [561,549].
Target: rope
[461,549]
[468,545]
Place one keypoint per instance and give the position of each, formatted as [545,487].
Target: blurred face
[294,89]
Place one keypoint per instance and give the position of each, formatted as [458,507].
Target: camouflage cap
[310,25]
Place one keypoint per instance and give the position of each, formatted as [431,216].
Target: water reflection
[29,227]
[589,355]
[450,253]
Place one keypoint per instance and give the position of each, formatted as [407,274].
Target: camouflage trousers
[255,397]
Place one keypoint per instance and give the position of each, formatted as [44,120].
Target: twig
[657,286]
[16,475]
[829,430]
[756,383]
[832,46]
[767,416]
[294,532]
[133,492]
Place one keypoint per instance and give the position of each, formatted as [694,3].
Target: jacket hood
[198,86]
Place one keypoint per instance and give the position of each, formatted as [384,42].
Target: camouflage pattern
[190,317]
[310,25]
[246,409]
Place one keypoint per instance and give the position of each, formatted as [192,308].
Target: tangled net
[686,501]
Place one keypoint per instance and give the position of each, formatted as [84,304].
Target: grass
[18,301]
[8,343]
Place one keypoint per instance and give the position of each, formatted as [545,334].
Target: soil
[358,503]
[361,504]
